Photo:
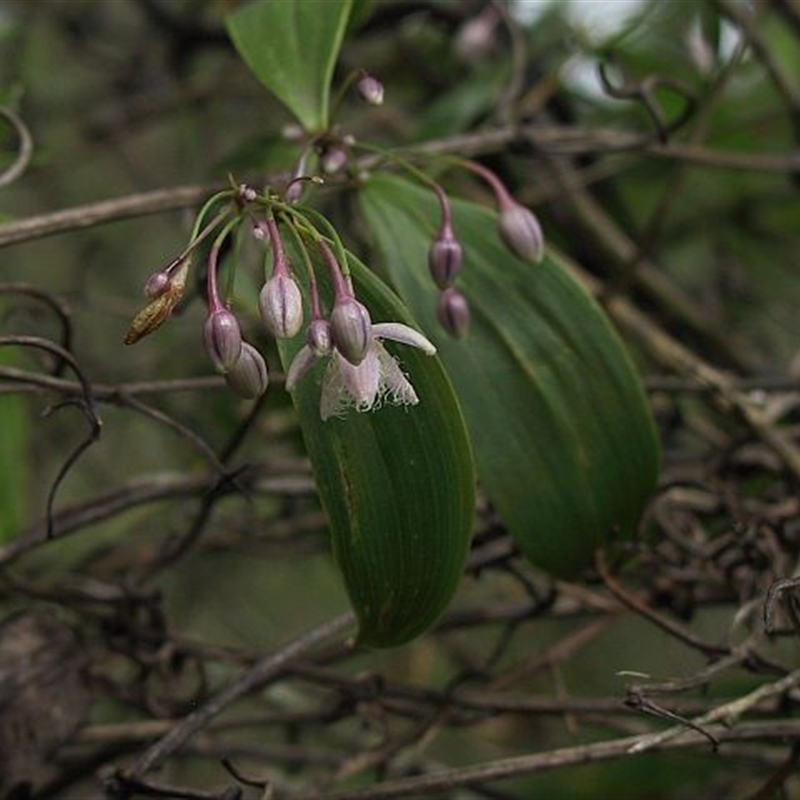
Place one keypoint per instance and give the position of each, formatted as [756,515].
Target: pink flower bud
[294,191]
[520,230]
[223,339]
[370,89]
[477,37]
[248,376]
[281,306]
[445,257]
[351,329]
[318,337]
[293,133]
[260,231]
[452,311]
[247,193]
[333,159]
[157,284]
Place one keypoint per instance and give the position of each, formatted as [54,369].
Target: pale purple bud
[248,376]
[223,339]
[247,193]
[445,257]
[520,230]
[293,191]
[452,311]
[476,38]
[318,337]
[281,306]
[157,284]
[293,133]
[370,89]
[351,329]
[333,159]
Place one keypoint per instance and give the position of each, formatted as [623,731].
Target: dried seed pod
[158,310]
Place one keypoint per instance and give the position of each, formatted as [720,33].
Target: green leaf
[397,484]
[292,46]
[564,442]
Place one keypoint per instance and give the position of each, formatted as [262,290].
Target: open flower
[376,379]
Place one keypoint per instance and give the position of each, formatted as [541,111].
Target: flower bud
[281,306]
[333,159]
[520,230]
[260,231]
[476,39]
[318,337]
[445,257]
[223,339]
[293,133]
[248,376]
[157,284]
[294,191]
[246,193]
[351,329]
[370,89]
[452,311]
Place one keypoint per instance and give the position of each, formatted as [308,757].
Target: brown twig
[259,674]
[553,139]
[24,147]
[640,607]
[449,779]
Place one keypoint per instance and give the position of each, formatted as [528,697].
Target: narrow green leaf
[397,484]
[564,442]
[291,46]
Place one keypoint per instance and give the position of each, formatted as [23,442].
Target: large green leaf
[397,484]
[564,442]
[291,46]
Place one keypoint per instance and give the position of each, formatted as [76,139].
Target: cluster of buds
[242,365]
[445,261]
[330,147]
[518,227]
[359,373]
